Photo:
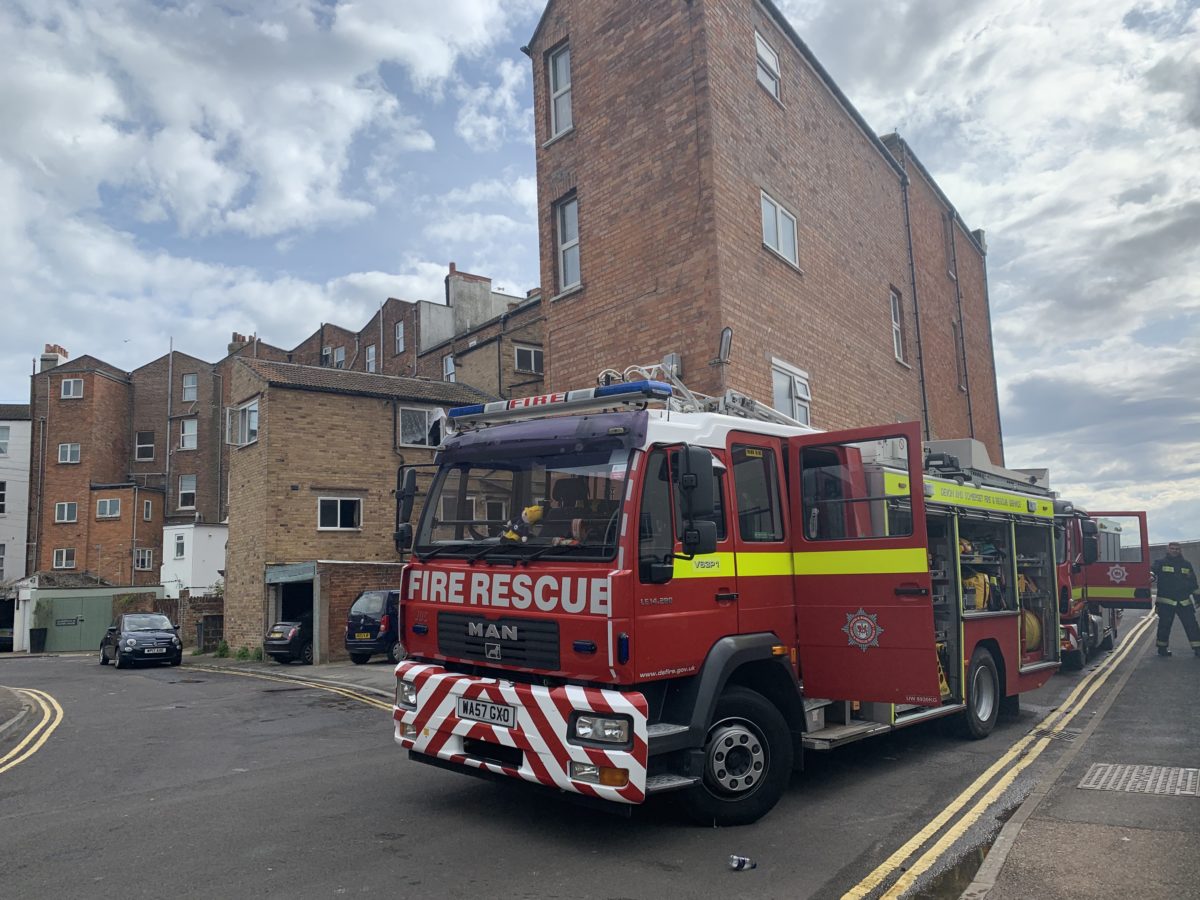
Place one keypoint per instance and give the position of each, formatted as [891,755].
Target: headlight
[130,643]
[603,729]
[175,641]
[406,694]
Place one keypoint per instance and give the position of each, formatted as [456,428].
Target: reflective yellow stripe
[1116,593]
[764,564]
[955,494]
[861,562]
[710,565]
[1077,593]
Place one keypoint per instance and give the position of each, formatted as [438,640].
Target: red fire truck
[1103,568]
[633,589]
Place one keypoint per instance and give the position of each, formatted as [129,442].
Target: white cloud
[491,115]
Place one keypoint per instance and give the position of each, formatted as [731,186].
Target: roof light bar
[637,392]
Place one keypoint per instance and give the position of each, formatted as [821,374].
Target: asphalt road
[163,780]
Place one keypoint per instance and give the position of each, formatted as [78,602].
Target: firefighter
[1176,580]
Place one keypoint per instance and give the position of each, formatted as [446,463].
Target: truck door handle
[911,590]
[722,597]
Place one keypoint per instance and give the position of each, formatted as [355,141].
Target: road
[214,785]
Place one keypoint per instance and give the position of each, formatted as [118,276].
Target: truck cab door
[1120,578]
[864,609]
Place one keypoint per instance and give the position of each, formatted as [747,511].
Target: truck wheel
[983,695]
[1110,639]
[747,761]
[1085,638]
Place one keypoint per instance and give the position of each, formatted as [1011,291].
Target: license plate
[486,711]
[275,634]
[156,649]
[362,635]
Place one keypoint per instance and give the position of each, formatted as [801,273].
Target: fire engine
[1103,568]
[633,589]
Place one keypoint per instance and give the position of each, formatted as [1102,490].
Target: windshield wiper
[438,551]
[491,548]
[551,549]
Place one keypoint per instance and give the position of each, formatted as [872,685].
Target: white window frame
[182,491]
[184,434]
[431,417]
[781,215]
[72,389]
[326,356]
[147,511]
[339,357]
[399,337]
[799,394]
[241,424]
[896,302]
[65,508]
[5,431]
[68,453]
[534,353]
[448,372]
[565,246]
[180,546]
[138,447]
[767,65]
[143,559]
[108,508]
[559,91]
[64,558]
[339,501]
[191,387]
[370,357]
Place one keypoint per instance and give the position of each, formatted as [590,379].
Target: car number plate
[362,636]
[275,634]
[156,649]
[486,711]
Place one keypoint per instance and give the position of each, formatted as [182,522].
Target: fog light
[408,731]
[605,730]
[603,775]
[406,694]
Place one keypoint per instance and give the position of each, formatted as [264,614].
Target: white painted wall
[14,521]
[202,561]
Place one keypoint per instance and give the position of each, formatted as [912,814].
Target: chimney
[54,355]
[237,342]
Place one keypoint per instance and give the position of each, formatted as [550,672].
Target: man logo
[491,651]
[492,630]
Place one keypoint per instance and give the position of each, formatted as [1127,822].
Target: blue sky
[186,170]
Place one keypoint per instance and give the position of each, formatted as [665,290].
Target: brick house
[697,168]
[311,508]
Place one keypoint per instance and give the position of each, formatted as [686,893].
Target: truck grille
[492,641]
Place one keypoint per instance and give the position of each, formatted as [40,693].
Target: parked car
[372,627]
[290,640]
[141,637]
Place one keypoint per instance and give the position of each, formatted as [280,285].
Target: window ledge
[767,91]
[558,137]
[781,257]
[338,529]
[567,292]
[901,362]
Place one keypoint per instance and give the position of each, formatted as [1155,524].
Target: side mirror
[696,482]
[175,626]
[660,572]
[699,538]
[1091,541]
[404,537]
[406,493]
[112,629]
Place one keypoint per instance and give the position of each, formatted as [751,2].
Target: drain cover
[1172,781]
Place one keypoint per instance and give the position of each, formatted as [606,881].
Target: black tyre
[306,654]
[178,660]
[747,761]
[103,658]
[395,652]
[117,661]
[282,660]
[359,658]
[983,696]
[1110,639]
[1084,626]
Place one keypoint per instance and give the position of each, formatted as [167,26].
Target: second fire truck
[630,590]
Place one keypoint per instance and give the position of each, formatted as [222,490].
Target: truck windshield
[565,503]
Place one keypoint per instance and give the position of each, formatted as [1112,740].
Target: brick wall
[340,586]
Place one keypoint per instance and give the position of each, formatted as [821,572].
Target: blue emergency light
[547,404]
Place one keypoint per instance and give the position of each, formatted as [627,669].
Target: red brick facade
[673,144]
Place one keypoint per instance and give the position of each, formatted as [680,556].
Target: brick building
[311,480]
[697,168]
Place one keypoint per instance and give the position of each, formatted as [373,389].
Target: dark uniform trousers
[1167,610]
[1177,583]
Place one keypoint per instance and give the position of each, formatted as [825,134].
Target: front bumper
[537,746]
[143,654]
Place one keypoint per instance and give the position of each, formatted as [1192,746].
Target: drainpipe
[962,327]
[500,358]
[987,302]
[167,443]
[133,547]
[912,280]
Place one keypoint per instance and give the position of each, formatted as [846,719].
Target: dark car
[141,637]
[290,640]
[372,627]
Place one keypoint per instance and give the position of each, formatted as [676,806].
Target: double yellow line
[1023,752]
[52,716]
[317,685]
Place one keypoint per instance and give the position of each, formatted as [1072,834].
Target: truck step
[664,729]
[836,735]
[657,784]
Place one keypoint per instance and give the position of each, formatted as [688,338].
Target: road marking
[320,686]
[52,716]
[1052,725]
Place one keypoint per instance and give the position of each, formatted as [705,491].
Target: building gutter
[962,330]
[912,280]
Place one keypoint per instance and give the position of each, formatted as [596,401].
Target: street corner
[15,718]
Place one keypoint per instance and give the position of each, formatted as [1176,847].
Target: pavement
[1138,835]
